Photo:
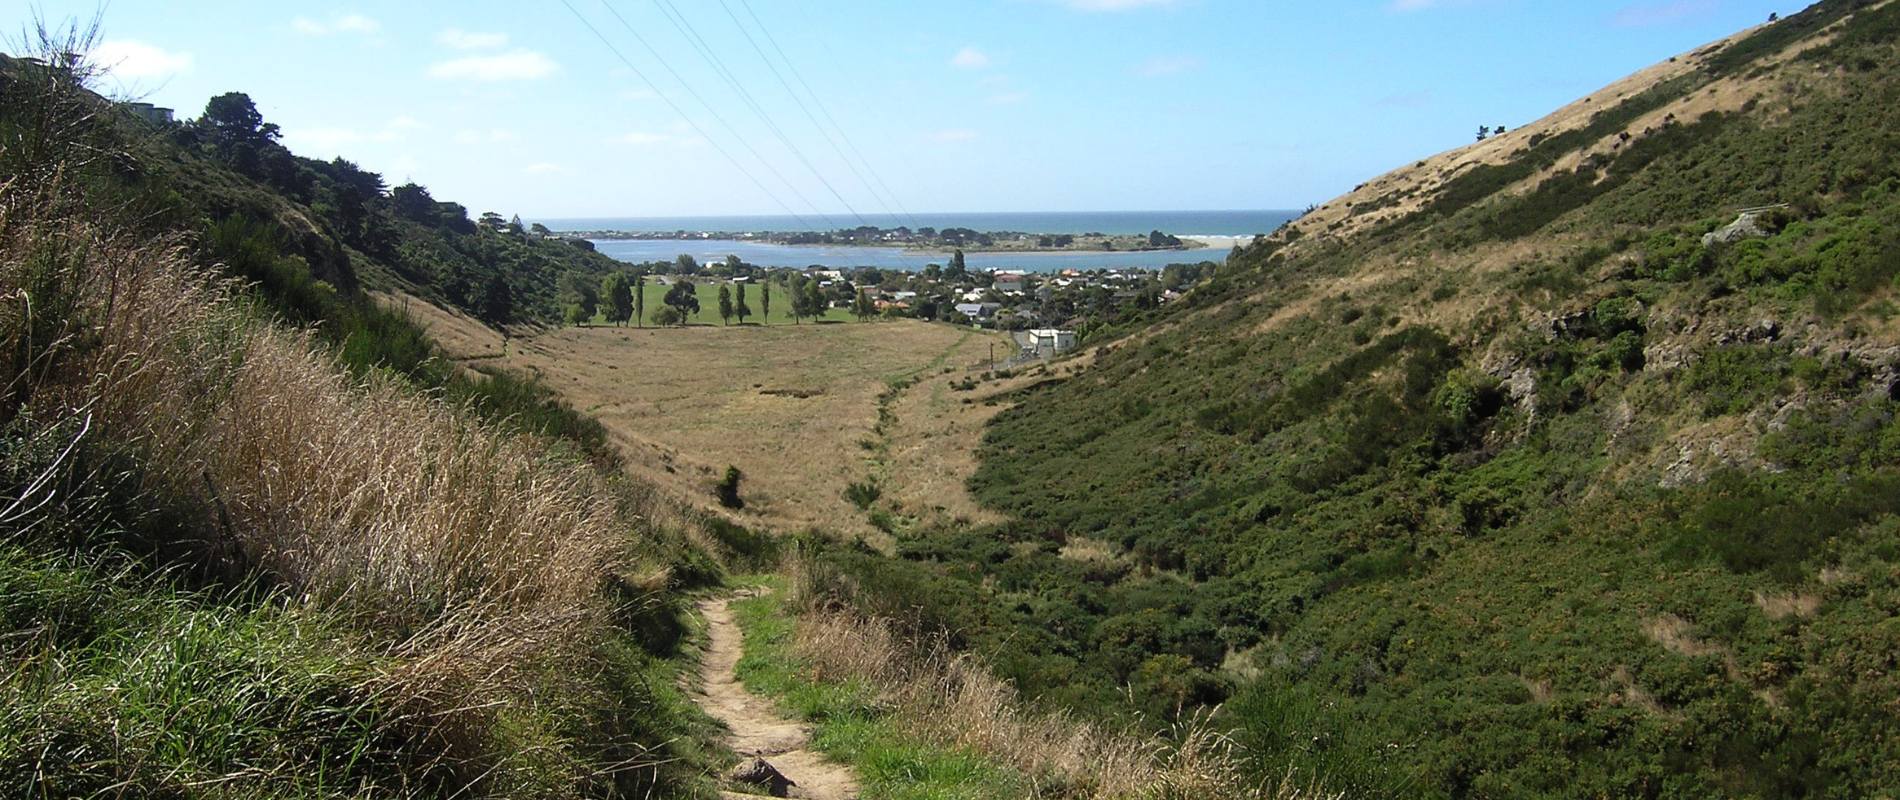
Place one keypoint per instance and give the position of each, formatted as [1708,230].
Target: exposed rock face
[759,772]
[1747,226]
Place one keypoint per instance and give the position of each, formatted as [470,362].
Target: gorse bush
[1605,513]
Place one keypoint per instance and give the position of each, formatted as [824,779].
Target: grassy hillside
[244,559]
[1493,478]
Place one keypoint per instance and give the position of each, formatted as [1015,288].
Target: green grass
[892,763]
[119,682]
[707,290]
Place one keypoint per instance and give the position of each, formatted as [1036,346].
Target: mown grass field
[708,293]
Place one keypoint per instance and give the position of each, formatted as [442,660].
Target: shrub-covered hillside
[244,559]
[1500,478]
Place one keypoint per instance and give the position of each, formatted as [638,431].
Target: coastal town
[1073,301]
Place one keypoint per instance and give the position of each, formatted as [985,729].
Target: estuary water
[1220,226]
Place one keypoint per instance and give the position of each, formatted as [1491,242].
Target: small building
[979,312]
[1009,282]
[151,113]
[1046,342]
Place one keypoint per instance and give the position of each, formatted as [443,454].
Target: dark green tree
[725,304]
[498,301]
[814,300]
[232,118]
[582,293]
[684,299]
[729,489]
[686,265]
[618,294]
[639,298]
[740,308]
[862,307]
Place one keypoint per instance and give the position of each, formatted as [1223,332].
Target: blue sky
[975,105]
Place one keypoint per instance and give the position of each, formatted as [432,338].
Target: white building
[1047,342]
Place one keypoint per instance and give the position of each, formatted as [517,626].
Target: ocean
[1179,223]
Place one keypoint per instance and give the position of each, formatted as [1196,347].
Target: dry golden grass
[466,559]
[952,699]
[789,405]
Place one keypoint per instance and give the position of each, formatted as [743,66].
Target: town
[1061,308]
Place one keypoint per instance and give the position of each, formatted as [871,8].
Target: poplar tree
[741,309]
[639,299]
[725,303]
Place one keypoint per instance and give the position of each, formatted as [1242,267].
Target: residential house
[979,312]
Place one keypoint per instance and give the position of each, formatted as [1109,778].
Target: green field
[708,292]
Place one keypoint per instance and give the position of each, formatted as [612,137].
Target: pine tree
[765,299]
[725,304]
[741,309]
[862,306]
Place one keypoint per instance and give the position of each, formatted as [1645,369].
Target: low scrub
[951,699]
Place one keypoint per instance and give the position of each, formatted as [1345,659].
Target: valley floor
[804,411]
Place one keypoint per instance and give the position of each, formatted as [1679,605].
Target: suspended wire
[714,113]
[802,106]
[683,115]
[691,34]
[819,101]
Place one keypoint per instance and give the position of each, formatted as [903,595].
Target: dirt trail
[757,727]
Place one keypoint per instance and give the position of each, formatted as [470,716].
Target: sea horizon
[1233,222]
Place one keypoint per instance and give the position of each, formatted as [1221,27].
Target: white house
[1049,341]
[979,312]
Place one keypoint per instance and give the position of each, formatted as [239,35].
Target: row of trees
[621,298]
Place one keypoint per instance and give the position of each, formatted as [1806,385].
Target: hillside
[1499,477]
[274,523]
[258,539]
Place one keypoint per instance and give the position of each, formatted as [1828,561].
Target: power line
[793,93]
[685,27]
[825,110]
[684,116]
[743,142]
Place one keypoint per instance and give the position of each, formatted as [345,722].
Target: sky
[599,108]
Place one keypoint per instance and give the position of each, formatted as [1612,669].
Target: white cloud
[1117,5]
[1167,65]
[331,140]
[127,59]
[347,23]
[492,136]
[469,40]
[970,58]
[510,66]
[955,135]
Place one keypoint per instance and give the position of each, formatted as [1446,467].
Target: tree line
[620,299]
